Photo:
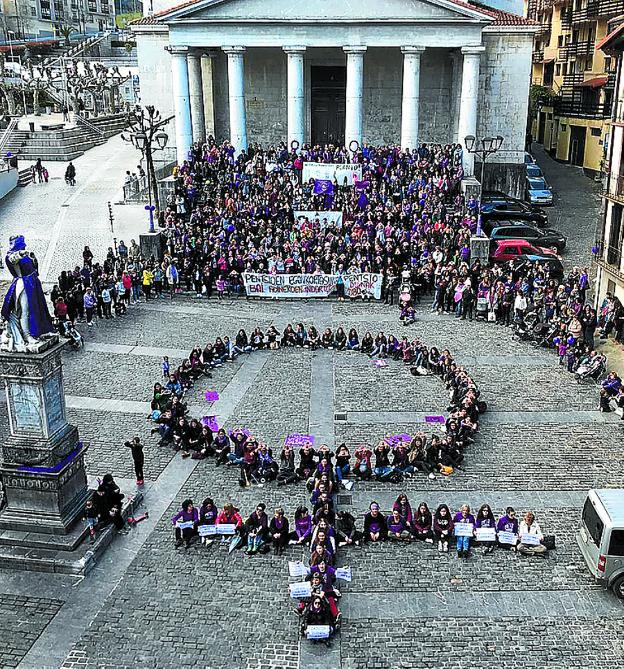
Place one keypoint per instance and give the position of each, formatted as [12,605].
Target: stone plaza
[541,446]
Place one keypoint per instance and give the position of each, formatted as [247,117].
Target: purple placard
[381,363]
[211,422]
[435,419]
[299,440]
[244,430]
[395,439]
[211,395]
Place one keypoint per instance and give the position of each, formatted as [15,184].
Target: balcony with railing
[538,56]
[614,188]
[596,9]
[609,257]
[581,48]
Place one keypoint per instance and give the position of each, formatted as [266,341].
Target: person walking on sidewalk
[138,457]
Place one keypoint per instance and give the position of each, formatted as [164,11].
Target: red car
[505,250]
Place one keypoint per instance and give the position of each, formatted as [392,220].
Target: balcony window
[614,250]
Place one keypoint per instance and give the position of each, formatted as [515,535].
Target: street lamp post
[147,136]
[483,148]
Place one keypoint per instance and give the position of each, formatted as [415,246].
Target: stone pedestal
[480,250]
[151,245]
[43,460]
[471,188]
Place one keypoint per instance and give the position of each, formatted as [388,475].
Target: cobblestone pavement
[541,446]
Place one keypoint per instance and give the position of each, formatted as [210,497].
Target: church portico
[400,72]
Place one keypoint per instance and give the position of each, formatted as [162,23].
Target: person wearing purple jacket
[404,508]
[485,518]
[375,527]
[188,514]
[302,534]
[463,517]
[398,529]
[507,523]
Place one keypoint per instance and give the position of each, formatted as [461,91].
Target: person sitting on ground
[423,524]
[530,527]
[185,523]
[485,519]
[342,467]
[398,529]
[463,517]
[257,529]
[346,531]
[279,531]
[302,532]
[286,473]
[316,613]
[208,514]
[265,467]
[507,523]
[402,505]
[442,527]
[375,526]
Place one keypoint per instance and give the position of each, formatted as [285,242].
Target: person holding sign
[530,535]
[464,529]
[486,527]
[507,528]
[316,613]
[185,523]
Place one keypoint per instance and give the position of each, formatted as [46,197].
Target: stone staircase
[66,144]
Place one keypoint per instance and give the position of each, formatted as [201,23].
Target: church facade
[392,72]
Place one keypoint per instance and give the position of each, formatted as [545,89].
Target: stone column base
[151,245]
[480,250]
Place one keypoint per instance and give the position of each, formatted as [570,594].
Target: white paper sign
[507,538]
[463,529]
[330,171]
[317,632]
[344,573]
[185,526]
[207,530]
[300,590]
[486,534]
[324,217]
[226,528]
[530,539]
[297,569]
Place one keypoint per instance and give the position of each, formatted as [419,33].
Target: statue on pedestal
[24,309]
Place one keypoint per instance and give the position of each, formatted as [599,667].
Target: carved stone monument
[43,460]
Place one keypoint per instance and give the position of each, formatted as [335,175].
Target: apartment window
[589,64]
[92,6]
[558,69]
[564,69]
[595,132]
[33,11]
[614,251]
[559,40]
[563,127]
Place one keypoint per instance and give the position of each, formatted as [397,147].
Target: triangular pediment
[325,10]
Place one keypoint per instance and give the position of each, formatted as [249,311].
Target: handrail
[7,133]
[89,125]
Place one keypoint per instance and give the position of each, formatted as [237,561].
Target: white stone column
[296,109]
[354,119]
[411,96]
[469,101]
[236,87]
[196,95]
[207,61]
[181,102]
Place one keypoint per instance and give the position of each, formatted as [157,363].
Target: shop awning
[596,82]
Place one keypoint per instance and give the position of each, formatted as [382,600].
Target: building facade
[44,18]
[574,83]
[610,233]
[400,71]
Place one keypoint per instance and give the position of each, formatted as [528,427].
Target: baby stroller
[593,370]
[120,308]
[72,335]
[543,334]
[483,306]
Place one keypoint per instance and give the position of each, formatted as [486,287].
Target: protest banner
[317,631]
[311,285]
[530,539]
[507,538]
[207,530]
[211,395]
[486,534]
[464,529]
[211,422]
[344,573]
[297,439]
[226,528]
[300,590]
[395,439]
[323,217]
[332,171]
[435,419]
[297,569]
[187,525]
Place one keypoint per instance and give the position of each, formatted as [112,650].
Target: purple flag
[362,200]
[395,439]
[435,419]
[211,395]
[323,187]
[362,185]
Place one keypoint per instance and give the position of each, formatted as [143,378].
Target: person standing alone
[138,457]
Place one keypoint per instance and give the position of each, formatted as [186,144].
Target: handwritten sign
[507,538]
[317,632]
[300,590]
[344,573]
[211,422]
[463,529]
[188,525]
[226,528]
[299,440]
[395,439]
[207,530]
[435,419]
[486,534]
[211,395]
[297,569]
[530,539]
[381,363]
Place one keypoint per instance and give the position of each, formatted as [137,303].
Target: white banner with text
[361,284]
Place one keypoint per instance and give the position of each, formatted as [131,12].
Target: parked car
[547,238]
[538,191]
[506,250]
[534,170]
[601,537]
[498,208]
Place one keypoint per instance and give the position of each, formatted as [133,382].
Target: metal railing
[88,125]
[6,135]
[582,109]
[614,188]
[538,56]
[576,49]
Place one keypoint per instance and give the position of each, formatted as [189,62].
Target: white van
[601,537]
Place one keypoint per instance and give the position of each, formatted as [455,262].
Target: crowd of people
[392,459]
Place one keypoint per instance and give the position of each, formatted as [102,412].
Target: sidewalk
[58,220]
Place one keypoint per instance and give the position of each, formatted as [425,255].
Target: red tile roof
[501,18]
